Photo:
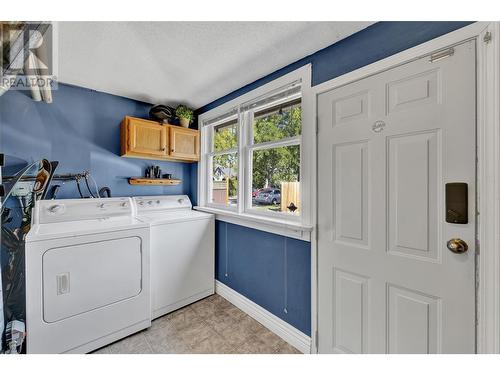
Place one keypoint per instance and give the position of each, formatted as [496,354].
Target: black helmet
[161,113]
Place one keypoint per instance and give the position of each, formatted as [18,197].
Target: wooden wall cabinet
[149,140]
[184,143]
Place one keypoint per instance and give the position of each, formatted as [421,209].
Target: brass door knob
[457,246]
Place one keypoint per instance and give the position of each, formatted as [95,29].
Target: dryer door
[80,278]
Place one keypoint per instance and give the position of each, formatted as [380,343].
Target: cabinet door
[147,138]
[184,143]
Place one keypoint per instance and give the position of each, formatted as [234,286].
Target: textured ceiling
[185,62]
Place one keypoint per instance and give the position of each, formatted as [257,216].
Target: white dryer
[182,251]
[87,275]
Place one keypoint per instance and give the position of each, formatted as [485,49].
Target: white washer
[87,275]
[182,251]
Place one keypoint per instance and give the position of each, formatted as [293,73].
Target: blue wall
[271,270]
[80,129]
[258,265]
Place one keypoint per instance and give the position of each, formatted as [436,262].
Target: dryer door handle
[62,283]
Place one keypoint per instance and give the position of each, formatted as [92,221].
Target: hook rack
[56,177]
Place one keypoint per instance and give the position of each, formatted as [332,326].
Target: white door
[387,146]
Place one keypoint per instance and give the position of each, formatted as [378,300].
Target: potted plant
[185,115]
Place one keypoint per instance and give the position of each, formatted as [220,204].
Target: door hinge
[487,37]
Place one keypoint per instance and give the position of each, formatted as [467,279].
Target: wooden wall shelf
[152,181]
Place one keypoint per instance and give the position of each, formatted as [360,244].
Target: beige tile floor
[212,326]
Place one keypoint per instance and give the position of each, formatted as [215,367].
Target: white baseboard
[284,330]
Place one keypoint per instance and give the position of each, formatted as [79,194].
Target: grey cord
[88,187]
[86,175]
[77,179]
[95,184]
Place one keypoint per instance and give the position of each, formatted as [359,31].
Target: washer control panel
[162,202]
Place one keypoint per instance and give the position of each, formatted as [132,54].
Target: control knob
[56,208]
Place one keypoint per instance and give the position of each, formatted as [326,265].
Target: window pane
[275,180]
[278,122]
[225,136]
[225,179]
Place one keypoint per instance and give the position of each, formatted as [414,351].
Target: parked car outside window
[268,196]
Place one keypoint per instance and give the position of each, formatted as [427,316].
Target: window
[275,155]
[251,157]
[224,162]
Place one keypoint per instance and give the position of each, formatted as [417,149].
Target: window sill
[266,224]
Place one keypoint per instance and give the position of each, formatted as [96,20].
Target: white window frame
[297,226]
[247,119]
[210,153]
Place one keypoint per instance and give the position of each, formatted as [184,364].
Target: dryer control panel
[58,210]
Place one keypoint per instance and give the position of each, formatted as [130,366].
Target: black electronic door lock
[457,203]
